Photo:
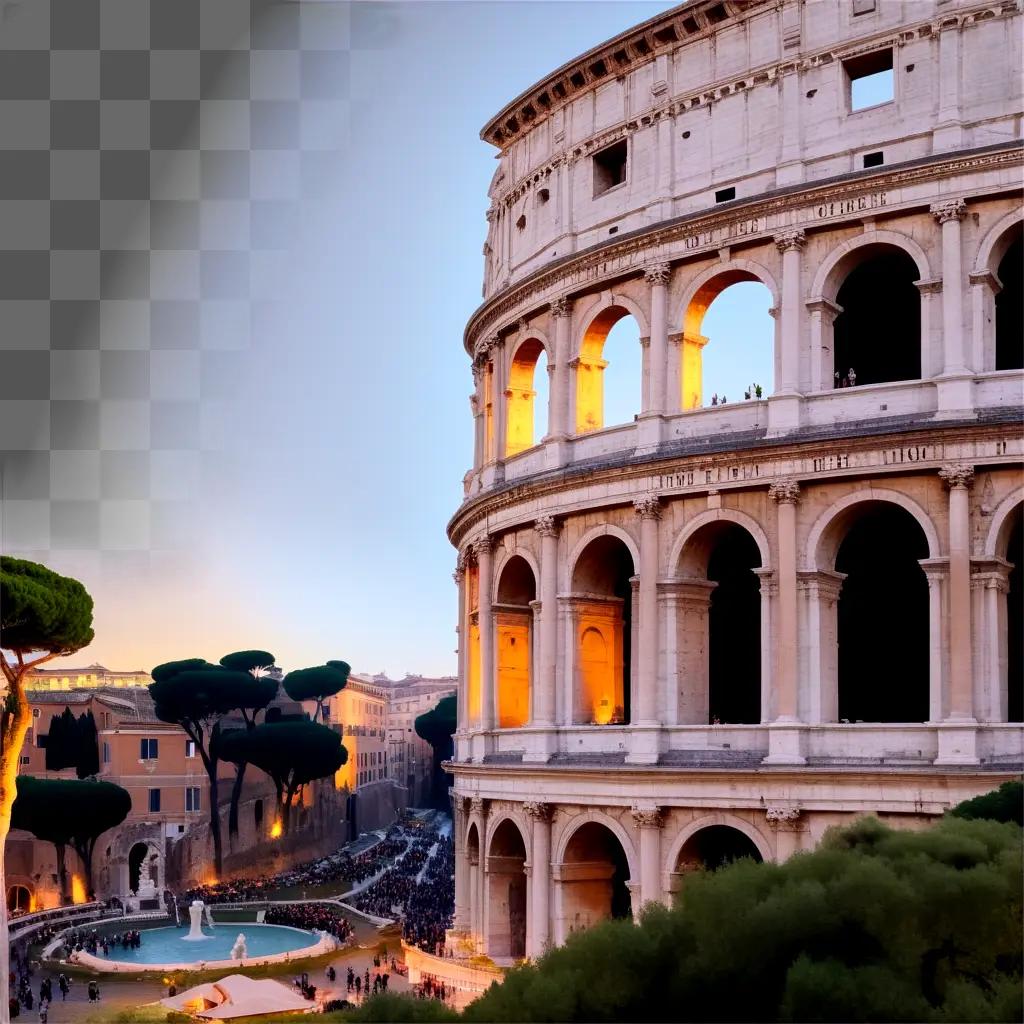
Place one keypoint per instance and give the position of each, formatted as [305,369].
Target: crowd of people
[428,914]
[20,990]
[312,917]
[389,894]
[430,987]
[93,941]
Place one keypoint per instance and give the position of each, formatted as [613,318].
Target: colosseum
[716,630]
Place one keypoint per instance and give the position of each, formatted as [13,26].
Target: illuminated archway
[19,899]
[523,416]
[595,356]
[742,336]
[506,882]
[513,617]
[602,617]
[593,878]
[719,625]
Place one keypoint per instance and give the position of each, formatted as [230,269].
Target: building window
[149,749]
[874,159]
[154,801]
[35,712]
[191,798]
[26,759]
[723,195]
[871,79]
[106,752]
[190,748]
[610,167]
[41,739]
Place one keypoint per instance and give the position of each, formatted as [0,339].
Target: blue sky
[324,535]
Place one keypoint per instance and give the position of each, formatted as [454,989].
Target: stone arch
[760,841]
[868,554]
[724,661]
[842,258]
[521,391]
[823,544]
[713,515]
[140,854]
[515,591]
[506,914]
[472,835]
[594,814]
[517,552]
[589,361]
[605,529]
[1002,524]
[996,241]
[496,820]
[697,297]
[20,895]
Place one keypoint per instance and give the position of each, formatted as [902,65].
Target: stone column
[822,316]
[949,213]
[558,363]
[462,871]
[984,289]
[936,571]
[691,386]
[544,700]
[649,821]
[645,713]
[657,277]
[961,746]
[785,823]
[540,860]
[499,397]
[790,243]
[821,588]
[948,131]
[790,170]
[478,813]
[990,583]
[483,548]
[768,592]
[785,737]
[462,699]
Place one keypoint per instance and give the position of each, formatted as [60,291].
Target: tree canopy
[248,661]
[292,753]
[73,743]
[317,683]
[40,610]
[69,812]
[1003,804]
[437,727]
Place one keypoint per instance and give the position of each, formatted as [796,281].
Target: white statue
[209,915]
[195,913]
[147,887]
[238,950]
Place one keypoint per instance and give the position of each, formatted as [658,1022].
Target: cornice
[628,467]
[515,300]
[679,27]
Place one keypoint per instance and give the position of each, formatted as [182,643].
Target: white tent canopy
[238,996]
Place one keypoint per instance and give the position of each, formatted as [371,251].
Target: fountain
[238,950]
[209,915]
[195,913]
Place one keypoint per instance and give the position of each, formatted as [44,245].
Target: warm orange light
[277,829]
[32,902]
[520,396]
[77,889]
[513,670]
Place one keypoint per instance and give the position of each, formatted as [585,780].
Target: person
[44,1014]
[714,398]
[851,376]
[64,985]
[94,991]
[332,974]
[359,985]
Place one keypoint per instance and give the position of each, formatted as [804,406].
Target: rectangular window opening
[723,195]
[871,79]
[154,800]
[610,167]
[873,159]
[148,750]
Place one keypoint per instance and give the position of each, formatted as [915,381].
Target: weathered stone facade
[719,631]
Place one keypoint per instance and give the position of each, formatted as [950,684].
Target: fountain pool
[172,948]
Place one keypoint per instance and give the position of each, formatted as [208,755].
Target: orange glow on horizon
[277,829]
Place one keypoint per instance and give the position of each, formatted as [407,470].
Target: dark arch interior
[257,814]
[594,842]
[136,855]
[19,899]
[878,333]
[517,585]
[508,842]
[1010,309]
[605,568]
[715,846]
[1014,618]
[883,618]
[734,629]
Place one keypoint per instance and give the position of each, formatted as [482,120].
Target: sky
[336,430]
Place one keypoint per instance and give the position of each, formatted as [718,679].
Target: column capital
[645,341]
[647,507]
[562,306]
[791,240]
[948,210]
[931,287]
[546,526]
[483,545]
[783,817]
[657,273]
[459,575]
[956,476]
[647,817]
[478,806]
[523,325]
[538,811]
[494,341]
[784,492]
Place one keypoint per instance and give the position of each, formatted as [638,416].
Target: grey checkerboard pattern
[155,157]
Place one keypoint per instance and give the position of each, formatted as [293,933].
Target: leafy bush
[1003,804]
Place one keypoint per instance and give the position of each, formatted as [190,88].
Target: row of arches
[874,552]
[594,876]
[871,332]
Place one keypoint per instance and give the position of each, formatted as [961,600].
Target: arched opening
[475,877]
[612,341]
[882,616]
[719,627]
[602,610]
[1014,617]
[877,336]
[257,816]
[136,855]
[507,896]
[709,849]
[19,899]
[594,876]
[513,619]
[526,415]
[728,344]
[1010,307]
